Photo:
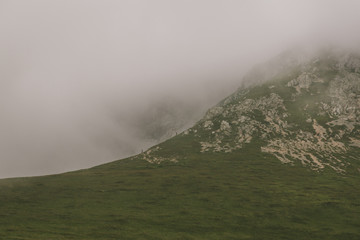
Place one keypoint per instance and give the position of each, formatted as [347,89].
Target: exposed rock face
[244,125]
[304,81]
[151,156]
[309,113]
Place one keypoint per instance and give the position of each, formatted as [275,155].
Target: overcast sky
[77,75]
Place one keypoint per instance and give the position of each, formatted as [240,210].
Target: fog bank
[86,82]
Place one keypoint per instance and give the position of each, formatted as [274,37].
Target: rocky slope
[298,108]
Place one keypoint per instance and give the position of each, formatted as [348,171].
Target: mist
[87,82]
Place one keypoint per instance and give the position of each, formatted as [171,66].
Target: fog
[84,82]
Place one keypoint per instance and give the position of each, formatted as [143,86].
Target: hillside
[278,159]
[307,112]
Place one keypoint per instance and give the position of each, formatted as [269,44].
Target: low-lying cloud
[86,82]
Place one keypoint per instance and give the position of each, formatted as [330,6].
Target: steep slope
[278,159]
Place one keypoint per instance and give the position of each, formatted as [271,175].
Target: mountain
[278,159]
[307,111]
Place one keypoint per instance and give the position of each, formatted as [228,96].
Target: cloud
[79,79]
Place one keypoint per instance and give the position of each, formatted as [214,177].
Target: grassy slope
[205,196]
[243,195]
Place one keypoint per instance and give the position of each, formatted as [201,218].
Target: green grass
[245,194]
[205,196]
